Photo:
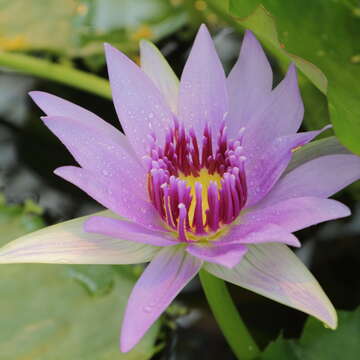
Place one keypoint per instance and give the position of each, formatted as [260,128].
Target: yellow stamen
[204,179]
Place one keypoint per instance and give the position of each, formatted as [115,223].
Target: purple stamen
[182,222]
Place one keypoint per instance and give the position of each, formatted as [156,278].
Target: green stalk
[61,73]
[228,318]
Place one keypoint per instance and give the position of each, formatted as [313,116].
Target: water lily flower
[211,174]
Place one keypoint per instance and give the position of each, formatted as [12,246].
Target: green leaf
[282,349]
[73,28]
[46,315]
[16,220]
[97,280]
[319,343]
[327,35]
[37,25]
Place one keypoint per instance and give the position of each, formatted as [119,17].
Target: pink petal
[320,177]
[141,108]
[68,243]
[157,287]
[263,172]
[249,83]
[52,105]
[122,229]
[297,213]
[260,233]
[227,255]
[111,194]
[203,94]
[281,115]
[99,152]
[272,270]
[159,71]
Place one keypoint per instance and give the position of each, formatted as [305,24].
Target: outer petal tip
[292,69]
[126,343]
[111,51]
[33,94]
[250,35]
[295,242]
[44,119]
[62,171]
[107,46]
[39,96]
[346,211]
[145,43]
[203,28]
[203,34]
[332,322]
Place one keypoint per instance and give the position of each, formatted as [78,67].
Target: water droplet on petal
[147,309]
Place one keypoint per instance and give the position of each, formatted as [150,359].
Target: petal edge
[287,281]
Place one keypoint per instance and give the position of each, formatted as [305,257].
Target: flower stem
[61,73]
[228,318]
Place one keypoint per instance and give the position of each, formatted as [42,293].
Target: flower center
[196,189]
[204,180]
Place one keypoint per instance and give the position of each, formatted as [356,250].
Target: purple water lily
[211,173]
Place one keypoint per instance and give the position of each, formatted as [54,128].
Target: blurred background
[74,312]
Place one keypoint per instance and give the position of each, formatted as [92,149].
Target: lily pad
[45,314]
[320,343]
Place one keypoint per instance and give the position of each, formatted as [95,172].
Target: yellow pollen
[204,179]
[17,42]
[142,32]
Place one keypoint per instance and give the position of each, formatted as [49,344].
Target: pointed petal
[159,71]
[227,255]
[287,103]
[203,94]
[122,229]
[297,213]
[68,243]
[263,172]
[141,108]
[249,83]
[120,199]
[274,271]
[321,177]
[53,105]
[281,115]
[94,150]
[256,234]
[157,287]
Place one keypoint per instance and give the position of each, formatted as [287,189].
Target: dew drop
[147,309]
